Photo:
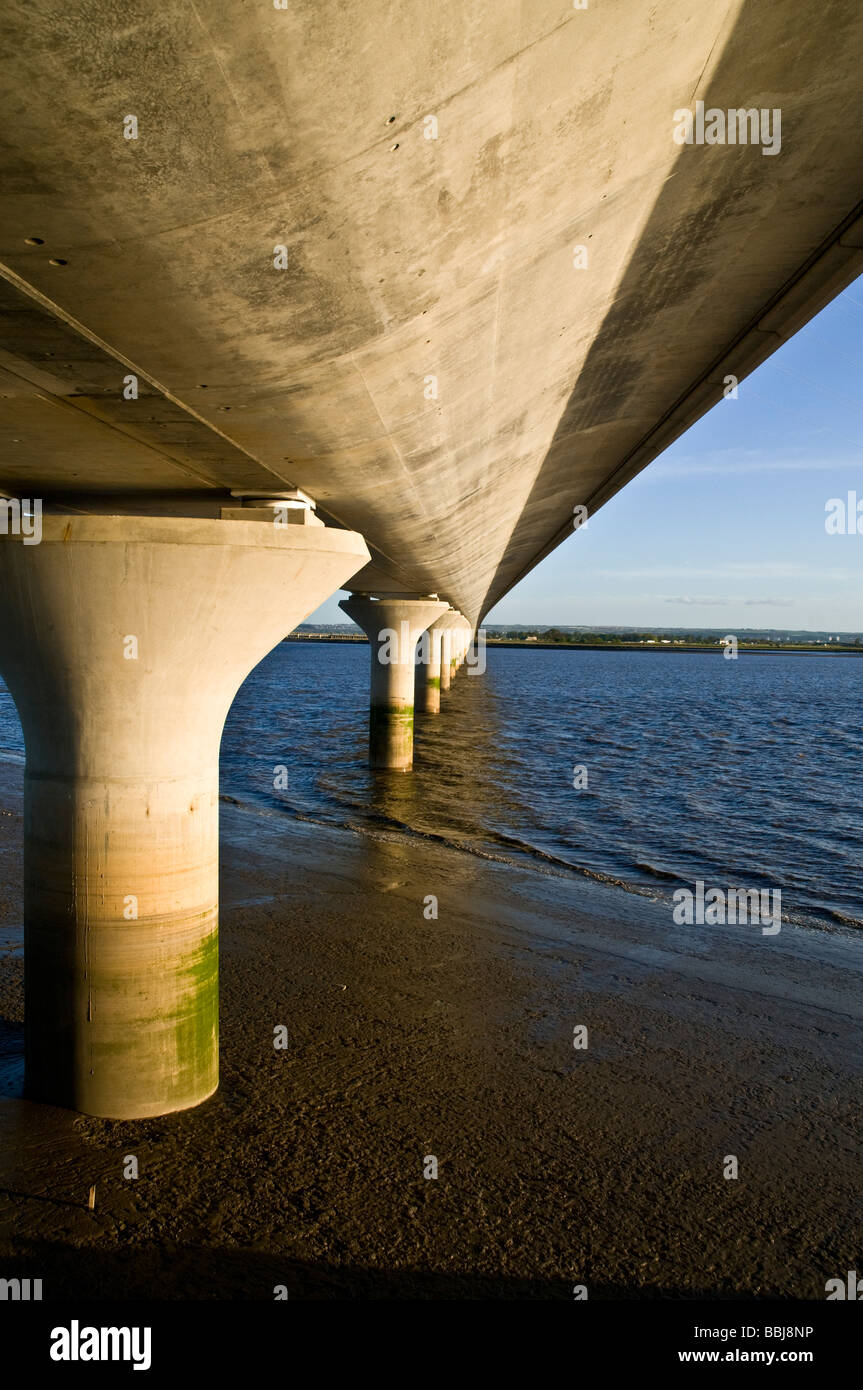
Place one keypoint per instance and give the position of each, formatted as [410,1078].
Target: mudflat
[412,1037]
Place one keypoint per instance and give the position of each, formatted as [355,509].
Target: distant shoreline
[800,649]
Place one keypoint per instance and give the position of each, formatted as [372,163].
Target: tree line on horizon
[580,638]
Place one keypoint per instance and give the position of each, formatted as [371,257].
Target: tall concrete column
[123,641]
[393,626]
[463,637]
[428,668]
[447,626]
[454,647]
[457,645]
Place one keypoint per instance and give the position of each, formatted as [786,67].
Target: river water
[739,773]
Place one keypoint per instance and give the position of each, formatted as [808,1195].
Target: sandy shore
[453,1037]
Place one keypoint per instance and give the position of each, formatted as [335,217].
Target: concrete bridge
[296,295]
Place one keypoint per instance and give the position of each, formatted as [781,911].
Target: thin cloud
[769,602]
[702,602]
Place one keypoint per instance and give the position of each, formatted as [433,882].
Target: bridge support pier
[446,659]
[457,645]
[123,641]
[393,626]
[428,668]
[427,674]
[461,642]
[454,647]
[447,663]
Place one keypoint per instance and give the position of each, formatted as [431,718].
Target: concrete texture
[431,366]
[393,627]
[123,641]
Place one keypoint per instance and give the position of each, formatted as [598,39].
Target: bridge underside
[441,267]
[431,366]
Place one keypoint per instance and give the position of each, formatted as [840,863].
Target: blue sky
[727,527]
